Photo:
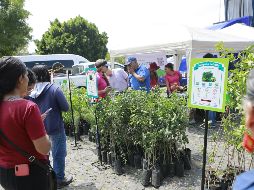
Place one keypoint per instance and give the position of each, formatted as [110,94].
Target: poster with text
[91,83]
[208,83]
[146,59]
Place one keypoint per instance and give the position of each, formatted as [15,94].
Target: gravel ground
[90,175]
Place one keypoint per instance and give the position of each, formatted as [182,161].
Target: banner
[146,59]
[208,83]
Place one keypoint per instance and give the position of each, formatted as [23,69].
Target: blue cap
[130,59]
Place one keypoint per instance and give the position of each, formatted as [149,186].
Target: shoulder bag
[51,175]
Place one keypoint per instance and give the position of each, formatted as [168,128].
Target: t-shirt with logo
[118,80]
[20,121]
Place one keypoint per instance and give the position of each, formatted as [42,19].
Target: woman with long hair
[21,123]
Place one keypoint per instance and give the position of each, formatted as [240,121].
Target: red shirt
[173,79]
[154,79]
[102,84]
[20,121]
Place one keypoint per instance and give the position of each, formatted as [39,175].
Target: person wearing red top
[172,78]
[153,75]
[21,123]
[103,83]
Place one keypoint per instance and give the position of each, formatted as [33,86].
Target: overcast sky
[122,19]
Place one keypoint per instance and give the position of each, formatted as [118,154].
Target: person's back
[153,67]
[21,123]
[118,79]
[48,96]
[19,120]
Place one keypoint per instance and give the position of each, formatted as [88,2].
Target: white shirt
[118,80]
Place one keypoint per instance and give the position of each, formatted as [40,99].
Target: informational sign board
[159,58]
[91,83]
[208,83]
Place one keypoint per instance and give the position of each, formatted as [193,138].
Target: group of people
[31,116]
[26,122]
[139,77]
[31,119]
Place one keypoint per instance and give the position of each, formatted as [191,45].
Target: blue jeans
[59,153]
[212,116]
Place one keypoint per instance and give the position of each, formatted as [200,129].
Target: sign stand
[207,91]
[204,151]
[72,128]
[98,140]
[92,92]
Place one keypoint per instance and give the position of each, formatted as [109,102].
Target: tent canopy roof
[195,39]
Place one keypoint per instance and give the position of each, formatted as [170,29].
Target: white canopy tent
[188,41]
[239,29]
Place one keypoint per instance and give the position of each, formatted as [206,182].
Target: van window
[77,69]
[66,63]
[91,66]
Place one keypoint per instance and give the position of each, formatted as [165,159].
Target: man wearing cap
[139,75]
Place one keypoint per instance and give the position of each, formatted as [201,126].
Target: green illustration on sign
[208,77]
[208,83]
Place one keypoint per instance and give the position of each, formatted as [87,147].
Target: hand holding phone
[44,115]
[48,110]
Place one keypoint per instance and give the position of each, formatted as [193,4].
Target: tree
[76,36]
[14,31]
[117,59]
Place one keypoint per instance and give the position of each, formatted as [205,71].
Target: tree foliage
[14,31]
[116,59]
[76,36]
[234,123]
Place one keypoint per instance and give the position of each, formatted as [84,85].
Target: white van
[78,77]
[68,60]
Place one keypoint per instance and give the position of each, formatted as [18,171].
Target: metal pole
[204,151]
[72,128]
[98,143]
